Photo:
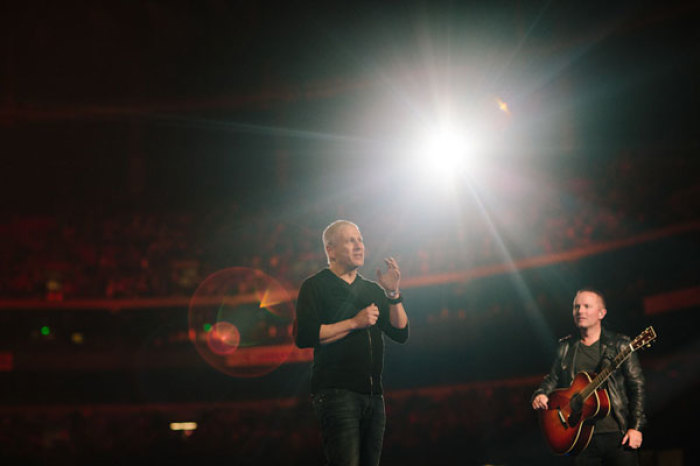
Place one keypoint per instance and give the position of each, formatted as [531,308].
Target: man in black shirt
[343,317]
[616,437]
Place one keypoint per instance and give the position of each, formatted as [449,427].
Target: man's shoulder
[566,342]
[369,284]
[318,276]
[315,281]
[615,337]
[566,338]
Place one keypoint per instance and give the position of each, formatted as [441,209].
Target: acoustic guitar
[569,419]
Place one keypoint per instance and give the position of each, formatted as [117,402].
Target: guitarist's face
[588,310]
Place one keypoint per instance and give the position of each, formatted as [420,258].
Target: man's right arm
[310,332]
[540,398]
[308,319]
[339,330]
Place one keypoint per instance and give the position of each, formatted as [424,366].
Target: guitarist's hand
[633,438]
[540,401]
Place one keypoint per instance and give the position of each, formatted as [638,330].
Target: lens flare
[241,322]
[223,338]
[503,106]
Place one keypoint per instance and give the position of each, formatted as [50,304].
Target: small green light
[206,327]
[45,330]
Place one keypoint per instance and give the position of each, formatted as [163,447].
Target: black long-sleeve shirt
[354,362]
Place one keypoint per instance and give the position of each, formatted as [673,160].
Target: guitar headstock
[644,339]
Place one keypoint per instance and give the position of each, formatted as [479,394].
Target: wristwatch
[391,294]
[394,297]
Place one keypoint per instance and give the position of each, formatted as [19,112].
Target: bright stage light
[445,151]
[444,154]
[456,141]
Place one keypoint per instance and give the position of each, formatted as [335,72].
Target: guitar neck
[606,372]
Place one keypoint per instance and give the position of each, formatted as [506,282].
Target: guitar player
[616,437]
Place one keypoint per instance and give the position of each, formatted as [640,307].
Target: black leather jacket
[625,386]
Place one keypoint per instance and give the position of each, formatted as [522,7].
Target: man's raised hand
[389,280]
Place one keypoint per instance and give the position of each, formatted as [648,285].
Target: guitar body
[571,413]
[569,420]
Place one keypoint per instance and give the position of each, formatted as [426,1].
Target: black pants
[606,449]
[352,426]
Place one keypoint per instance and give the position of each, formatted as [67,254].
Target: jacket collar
[606,338]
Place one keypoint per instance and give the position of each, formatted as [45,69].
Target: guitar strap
[608,350]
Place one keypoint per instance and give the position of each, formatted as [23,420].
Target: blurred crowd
[134,254]
[423,425]
[487,422]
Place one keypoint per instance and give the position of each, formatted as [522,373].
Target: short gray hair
[330,233]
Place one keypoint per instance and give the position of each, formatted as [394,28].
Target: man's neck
[590,335]
[346,275]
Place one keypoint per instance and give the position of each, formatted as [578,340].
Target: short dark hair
[593,290]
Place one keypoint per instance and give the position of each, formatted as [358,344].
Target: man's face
[347,248]
[588,310]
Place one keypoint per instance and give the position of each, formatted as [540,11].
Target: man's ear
[603,313]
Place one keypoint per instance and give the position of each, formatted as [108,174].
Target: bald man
[616,437]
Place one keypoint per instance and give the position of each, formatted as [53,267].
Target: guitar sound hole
[576,403]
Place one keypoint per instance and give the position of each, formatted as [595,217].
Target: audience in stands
[138,254]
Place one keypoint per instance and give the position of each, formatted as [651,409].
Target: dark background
[148,144]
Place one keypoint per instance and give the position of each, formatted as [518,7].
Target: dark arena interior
[169,166]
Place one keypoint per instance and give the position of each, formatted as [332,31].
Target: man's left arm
[391,326]
[397,316]
[398,319]
[634,383]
